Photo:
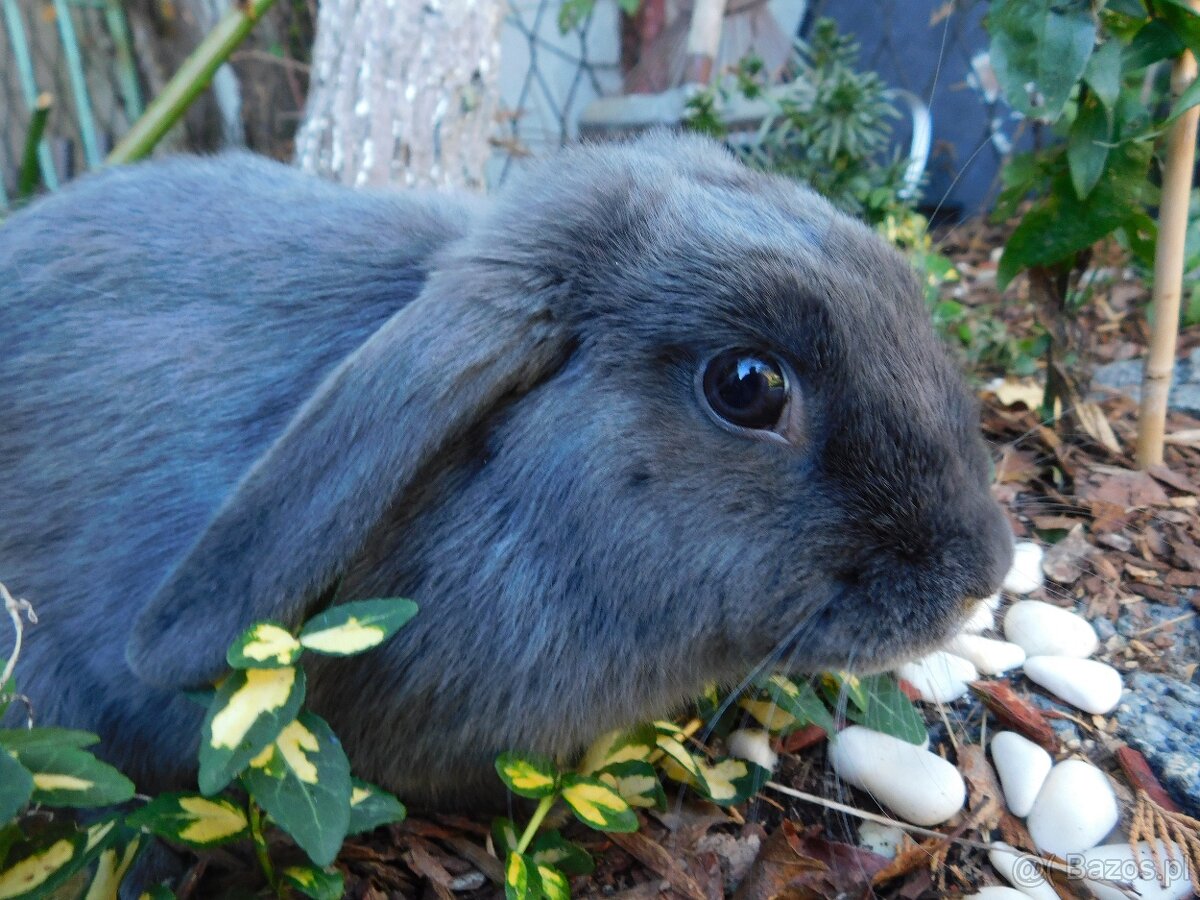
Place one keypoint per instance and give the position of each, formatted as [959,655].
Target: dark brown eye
[746,388]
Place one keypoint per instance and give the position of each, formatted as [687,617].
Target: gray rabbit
[643,421]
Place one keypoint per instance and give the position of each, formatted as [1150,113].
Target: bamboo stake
[192,78]
[1168,268]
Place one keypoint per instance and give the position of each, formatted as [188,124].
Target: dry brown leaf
[1016,713]
[1066,560]
[655,857]
[1092,420]
[1027,391]
[805,866]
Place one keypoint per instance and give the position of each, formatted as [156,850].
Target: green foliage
[285,760]
[1080,68]
[573,13]
[830,126]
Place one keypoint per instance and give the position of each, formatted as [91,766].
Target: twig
[15,609]
[1153,628]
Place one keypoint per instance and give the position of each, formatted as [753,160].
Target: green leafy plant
[288,767]
[829,126]
[621,772]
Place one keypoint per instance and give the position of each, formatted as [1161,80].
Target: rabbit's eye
[745,388]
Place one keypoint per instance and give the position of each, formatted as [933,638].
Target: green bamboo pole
[191,79]
[1168,268]
[78,79]
[31,173]
[20,47]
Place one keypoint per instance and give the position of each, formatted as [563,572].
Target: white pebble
[1025,576]
[1041,629]
[882,839]
[997,893]
[1094,687]
[918,786]
[991,657]
[754,745]
[1074,811]
[939,677]
[1022,766]
[1020,870]
[1114,862]
[982,618]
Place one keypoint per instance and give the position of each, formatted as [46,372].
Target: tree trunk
[402,92]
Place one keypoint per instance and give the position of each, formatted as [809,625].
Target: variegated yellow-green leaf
[732,781]
[354,627]
[505,836]
[619,746]
[65,775]
[304,785]
[191,819]
[636,782]
[679,764]
[597,805]
[111,867]
[553,883]
[20,740]
[769,715]
[836,685]
[371,807]
[550,848]
[527,774]
[320,884]
[37,873]
[520,878]
[800,701]
[264,646]
[249,710]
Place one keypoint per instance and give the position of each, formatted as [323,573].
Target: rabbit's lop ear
[306,507]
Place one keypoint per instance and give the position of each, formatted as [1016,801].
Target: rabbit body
[232,392]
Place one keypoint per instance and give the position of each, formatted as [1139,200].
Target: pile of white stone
[1069,807]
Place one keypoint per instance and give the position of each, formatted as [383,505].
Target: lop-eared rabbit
[644,420]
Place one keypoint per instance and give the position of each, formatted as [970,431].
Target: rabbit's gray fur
[232,392]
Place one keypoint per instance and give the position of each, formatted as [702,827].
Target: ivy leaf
[527,774]
[191,819]
[799,701]
[354,627]
[636,782]
[302,780]
[371,807]
[1046,45]
[320,884]
[249,710]
[264,646]
[16,786]
[597,805]
[1088,146]
[550,848]
[63,774]
[889,710]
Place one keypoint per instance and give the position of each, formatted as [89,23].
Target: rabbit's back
[161,325]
